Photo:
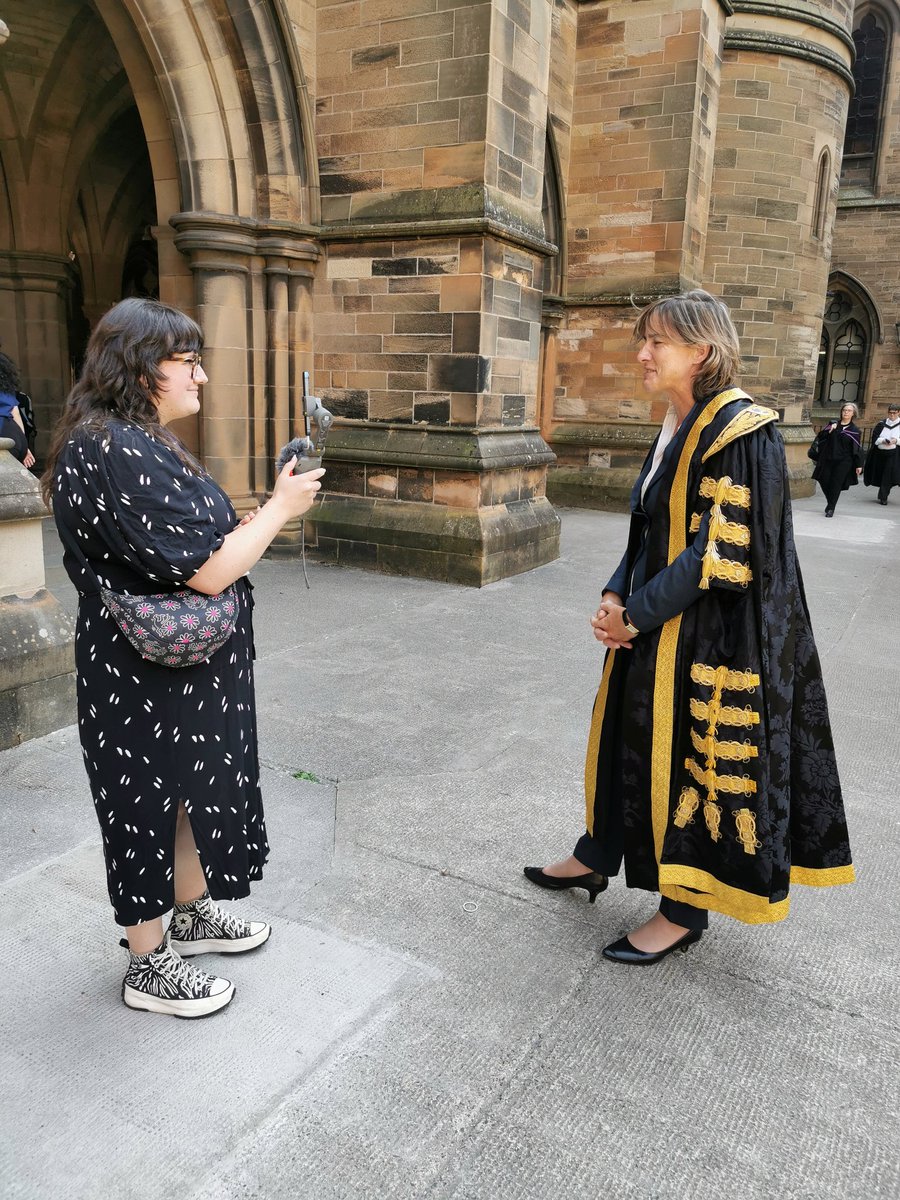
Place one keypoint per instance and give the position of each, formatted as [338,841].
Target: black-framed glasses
[195,360]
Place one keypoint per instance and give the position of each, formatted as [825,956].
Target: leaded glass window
[847,365]
[872,39]
[822,363]
[843,351]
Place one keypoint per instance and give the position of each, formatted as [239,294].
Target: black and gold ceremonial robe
[711,735]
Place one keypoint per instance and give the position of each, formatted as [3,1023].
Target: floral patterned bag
[175,629]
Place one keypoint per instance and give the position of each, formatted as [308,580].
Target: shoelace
[231,926]
[180,972]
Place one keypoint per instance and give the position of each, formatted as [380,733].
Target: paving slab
[118,1104]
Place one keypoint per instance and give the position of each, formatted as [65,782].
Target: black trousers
[10,429]
[607,860]
[833,483]
[887,482]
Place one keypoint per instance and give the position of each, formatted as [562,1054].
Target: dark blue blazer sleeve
[619,579]
[674,589]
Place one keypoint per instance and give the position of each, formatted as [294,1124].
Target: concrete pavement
[424,1023]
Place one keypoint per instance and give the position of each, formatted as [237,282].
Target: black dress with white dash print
[153,736]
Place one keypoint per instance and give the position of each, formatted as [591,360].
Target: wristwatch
[632,629]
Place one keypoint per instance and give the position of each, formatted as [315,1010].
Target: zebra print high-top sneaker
[201,927]
[161,982]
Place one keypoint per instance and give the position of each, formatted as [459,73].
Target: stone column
[428,311]
[34,330]
[786,82]
[289,270]
[221,250]
[639,182]
[37,655]
[248,276]
[252,286]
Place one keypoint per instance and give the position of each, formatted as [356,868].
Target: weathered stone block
[473,546]
[459,373]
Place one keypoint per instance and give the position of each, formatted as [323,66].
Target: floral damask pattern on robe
[746,793]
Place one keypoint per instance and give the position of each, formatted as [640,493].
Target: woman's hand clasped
[608,626]
[295,493]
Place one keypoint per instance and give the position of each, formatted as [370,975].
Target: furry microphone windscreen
[295,448]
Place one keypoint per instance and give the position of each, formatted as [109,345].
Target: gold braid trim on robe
[715,566]
[728,714]
[593,746]
[747,420]
[664,683]
[681,882]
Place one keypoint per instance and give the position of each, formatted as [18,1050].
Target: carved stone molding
[196,232]
[43,272]
[761,42]
[800,13]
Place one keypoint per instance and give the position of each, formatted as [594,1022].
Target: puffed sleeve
[729,504]
[152,512]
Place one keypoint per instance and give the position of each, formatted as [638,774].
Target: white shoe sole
[189,1009]
[220,945]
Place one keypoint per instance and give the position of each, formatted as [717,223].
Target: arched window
[843,352]
[824,347]
[552,215]
[820,203]
[847,365]
[872,36]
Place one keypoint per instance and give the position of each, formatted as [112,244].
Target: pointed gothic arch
[554,218]
[234,96]
[554,221]
[219,172]
[822,195]
[851,326]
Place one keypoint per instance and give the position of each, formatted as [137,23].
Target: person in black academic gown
[882,468]
[710,769]
[839,457]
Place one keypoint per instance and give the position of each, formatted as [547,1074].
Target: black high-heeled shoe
[622,951]
[592,882]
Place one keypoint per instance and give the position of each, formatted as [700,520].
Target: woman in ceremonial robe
[838,456]
[710,766]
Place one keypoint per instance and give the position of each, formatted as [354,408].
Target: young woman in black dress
[170,753]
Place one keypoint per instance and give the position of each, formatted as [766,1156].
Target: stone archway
[185,125]
[77,187]
[222,100]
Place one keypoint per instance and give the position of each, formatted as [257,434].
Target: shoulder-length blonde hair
[697,319]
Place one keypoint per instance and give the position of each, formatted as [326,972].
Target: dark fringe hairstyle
[697,319]
[121,375]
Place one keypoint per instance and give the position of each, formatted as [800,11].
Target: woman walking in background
[170,753]
[882,468]
[838,455]
[710,767]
